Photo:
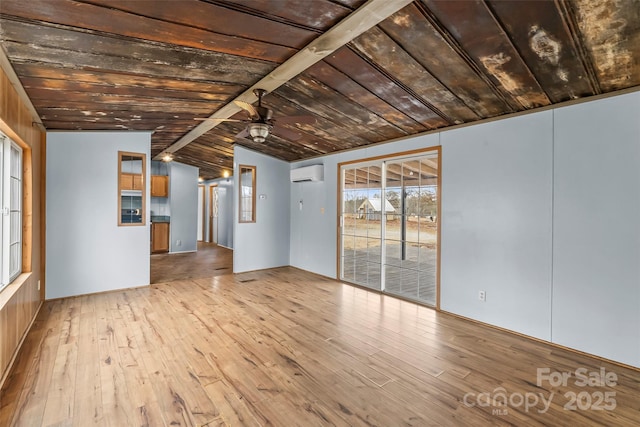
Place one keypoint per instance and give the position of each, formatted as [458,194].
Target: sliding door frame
[383,158]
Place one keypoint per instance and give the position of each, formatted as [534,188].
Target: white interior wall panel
[86,250]
[496,223]
[596,245]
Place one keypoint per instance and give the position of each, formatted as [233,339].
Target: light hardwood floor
[284,347]
[208,261]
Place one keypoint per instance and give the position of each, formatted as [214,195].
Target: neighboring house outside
[372,209]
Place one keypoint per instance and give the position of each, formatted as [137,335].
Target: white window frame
[10,208]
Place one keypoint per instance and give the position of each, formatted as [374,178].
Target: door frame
[201,237]
[437,149]
[212,189]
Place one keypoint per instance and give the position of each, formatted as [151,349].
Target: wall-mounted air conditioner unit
[308,173]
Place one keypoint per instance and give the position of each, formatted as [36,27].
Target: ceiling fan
[261,122]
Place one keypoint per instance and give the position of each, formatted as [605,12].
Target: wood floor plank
[88,397]
[284,347]
[234,409]
[116,402]
[40,361]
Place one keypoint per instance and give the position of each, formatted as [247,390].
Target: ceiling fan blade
[243,134]
[286,133]
[306,120]
[248,108]
[216,119]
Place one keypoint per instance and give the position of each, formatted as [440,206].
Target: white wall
[310,245]
[86,250]
[596,241]
[496,222]
[265,243]
[183,198]
[541,211]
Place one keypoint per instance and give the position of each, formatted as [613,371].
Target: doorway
[213,213]
[201,213]
[389,232]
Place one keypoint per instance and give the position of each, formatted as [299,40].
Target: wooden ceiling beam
[361,20]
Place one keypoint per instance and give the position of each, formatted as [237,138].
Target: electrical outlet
[482,295]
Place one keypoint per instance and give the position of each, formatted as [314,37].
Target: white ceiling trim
[365,17]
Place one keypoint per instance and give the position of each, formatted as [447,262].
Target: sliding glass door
[389,225]
[361,235]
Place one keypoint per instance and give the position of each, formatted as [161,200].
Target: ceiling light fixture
[167,157]
[259,131]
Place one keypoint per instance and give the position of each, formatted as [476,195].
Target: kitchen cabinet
[130,181]
[159,237]
[159,186]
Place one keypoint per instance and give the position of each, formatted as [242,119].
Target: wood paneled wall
[20,301]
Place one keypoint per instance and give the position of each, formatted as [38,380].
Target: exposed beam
[361,20]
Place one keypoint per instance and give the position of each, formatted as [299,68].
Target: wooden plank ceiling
[158,65]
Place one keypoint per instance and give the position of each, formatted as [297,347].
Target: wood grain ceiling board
[611,32]
[394,61]
[210,95]
[337,113]
[366,74]
[220,19]
[112,21]
[341,82]
[188,88]
[480,34]
[128,92]
[435,50]
[210,161]
[317,14]
[546,45]
[69,48]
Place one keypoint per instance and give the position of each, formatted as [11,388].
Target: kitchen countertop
[160,218]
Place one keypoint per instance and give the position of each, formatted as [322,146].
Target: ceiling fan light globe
[258,131]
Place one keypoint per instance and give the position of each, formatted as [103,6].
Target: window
[11,195]
[247,193]
[131,188]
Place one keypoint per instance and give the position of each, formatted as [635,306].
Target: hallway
[210,260]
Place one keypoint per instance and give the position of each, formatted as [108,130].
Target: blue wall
[265,243]
[540,211]
[183,198]
[86,250]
